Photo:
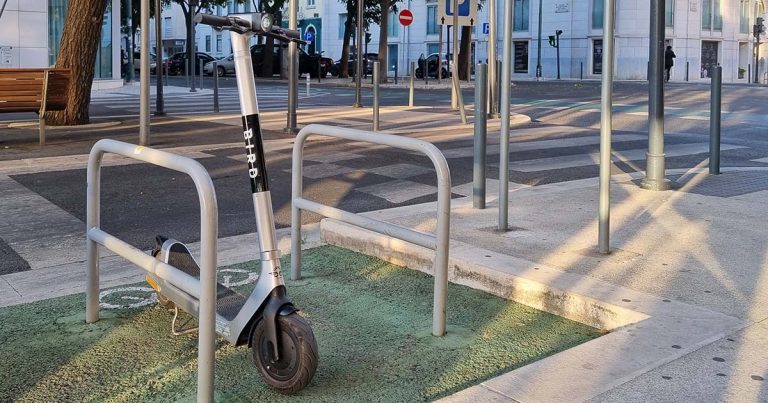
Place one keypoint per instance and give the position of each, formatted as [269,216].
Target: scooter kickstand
[173,324]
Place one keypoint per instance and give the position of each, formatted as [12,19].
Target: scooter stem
[254,151]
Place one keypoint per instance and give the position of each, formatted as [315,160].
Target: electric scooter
[282,343]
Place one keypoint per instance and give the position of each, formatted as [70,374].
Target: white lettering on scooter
[248,134]
[253,173]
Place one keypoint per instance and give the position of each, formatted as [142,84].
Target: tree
[370,15]
[465,49]
[78,48]
[465,53]
[385,6]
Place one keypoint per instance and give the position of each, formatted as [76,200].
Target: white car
[225,65]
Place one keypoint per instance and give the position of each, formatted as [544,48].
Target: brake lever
[283,38]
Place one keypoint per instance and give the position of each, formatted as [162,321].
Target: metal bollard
[687,65]
[481,132]
[459,96]
[413,75]
[215,87]
[375,96]
[307,84]
[319,71]
[581,71]
[201,74]
[714,121]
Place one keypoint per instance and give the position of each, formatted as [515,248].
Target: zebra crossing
[180,103]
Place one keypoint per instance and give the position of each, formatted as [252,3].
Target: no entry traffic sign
[406,17]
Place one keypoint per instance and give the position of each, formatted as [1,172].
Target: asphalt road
[140,201]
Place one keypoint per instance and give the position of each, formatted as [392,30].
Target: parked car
[326,64]
[431,63]
[177,62]
[368,57]
[137,61]
[224,66]
[307,63]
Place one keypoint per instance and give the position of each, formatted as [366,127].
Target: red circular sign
[406,17]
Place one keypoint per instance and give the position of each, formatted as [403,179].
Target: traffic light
[367,37]
[552,41]
[759,28]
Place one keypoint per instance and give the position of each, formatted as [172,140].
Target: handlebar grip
[288,33]
[212,20]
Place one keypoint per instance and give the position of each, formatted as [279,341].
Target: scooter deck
[228,301]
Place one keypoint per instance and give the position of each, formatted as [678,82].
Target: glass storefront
[57,14]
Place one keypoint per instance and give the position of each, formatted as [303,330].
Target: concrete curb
[646,330]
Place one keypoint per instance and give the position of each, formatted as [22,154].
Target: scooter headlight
[266,22]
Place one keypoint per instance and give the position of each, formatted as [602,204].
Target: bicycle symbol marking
[137,297]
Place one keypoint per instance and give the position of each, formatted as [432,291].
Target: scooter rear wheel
[298,354]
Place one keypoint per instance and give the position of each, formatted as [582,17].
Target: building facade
[30,32]
[702,33]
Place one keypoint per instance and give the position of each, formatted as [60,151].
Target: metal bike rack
[204,289]
[437,242]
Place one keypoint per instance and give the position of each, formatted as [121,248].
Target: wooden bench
[34,90]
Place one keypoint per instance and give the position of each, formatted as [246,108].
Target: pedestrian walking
[669,61]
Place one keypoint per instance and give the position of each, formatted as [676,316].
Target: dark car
[326,65]
[367,57]
[176,64]
[431,63]
[307,63]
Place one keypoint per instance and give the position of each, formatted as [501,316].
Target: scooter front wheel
[298,354]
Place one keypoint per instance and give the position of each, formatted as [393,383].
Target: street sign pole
[293,73]
[159,101]
[455,55]
[606,130]
[538,58]
[493,110]
[655,169]
[359,58]
[506,79]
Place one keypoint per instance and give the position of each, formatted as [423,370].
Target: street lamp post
[129,46]
[538,58]
[359,56]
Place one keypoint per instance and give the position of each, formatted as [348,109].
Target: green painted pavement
[372,321]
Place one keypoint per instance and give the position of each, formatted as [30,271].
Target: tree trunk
[383,31]
[344,63]
[78,47]
[465,53]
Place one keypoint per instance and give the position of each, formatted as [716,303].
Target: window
[218,43]
[597,15]
[208,43]
[669,13]
[310,3]
[432,20]
[432,48]
[342,22]
[167,27]
[521,56]
[708,58]
[711,15]
[522,13]
[744,17]
[394,25]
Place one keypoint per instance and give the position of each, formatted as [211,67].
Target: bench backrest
[21,90]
